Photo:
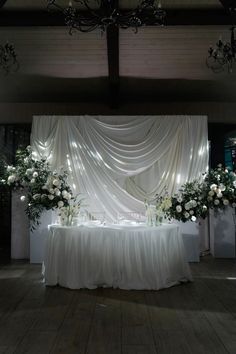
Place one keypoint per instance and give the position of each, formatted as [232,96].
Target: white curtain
[117,165]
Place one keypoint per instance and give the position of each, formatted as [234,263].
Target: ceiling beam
[113,64]
[175,17]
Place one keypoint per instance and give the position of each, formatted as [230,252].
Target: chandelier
[107,13]
[223,55]
[8,58]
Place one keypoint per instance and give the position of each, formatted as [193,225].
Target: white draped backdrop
[117,162]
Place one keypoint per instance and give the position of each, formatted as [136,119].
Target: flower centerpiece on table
[68,212]
[220,188]
[156,210]
[189,203]
[42,188]
[163,204]
[150,213]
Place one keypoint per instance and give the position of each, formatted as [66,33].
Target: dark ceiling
[156,64]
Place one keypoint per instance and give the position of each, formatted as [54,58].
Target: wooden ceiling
[156,64]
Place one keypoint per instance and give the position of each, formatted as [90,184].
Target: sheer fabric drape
[117,165]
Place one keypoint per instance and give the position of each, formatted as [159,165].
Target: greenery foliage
[43,189]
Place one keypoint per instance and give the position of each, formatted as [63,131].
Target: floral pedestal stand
[38,237]
[20,238]
[222,233]
[191,240]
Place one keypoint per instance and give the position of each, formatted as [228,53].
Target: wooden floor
[198,317]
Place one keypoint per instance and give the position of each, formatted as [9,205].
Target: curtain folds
[116,166]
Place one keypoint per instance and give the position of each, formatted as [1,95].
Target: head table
[118,256]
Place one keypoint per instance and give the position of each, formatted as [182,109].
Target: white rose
[213,187]
[28,148]
[51,190]
[10,168]
[23,198]
[64,192]
[29,171]
[57,192]
[222,187]
[44,187]
[219,195]
[179,199]
[32,181]
[11,179]
[35,174]
[216,202]
[56,182]
[50,196]
[193,218]
[43,196]
[234,205]
[204,207]
[186,215]
[60,204]
[187,206]
[69,196]
[211,193]
[178,208]
[209,198]
[191,212]
[225,202]
[36,196]
[26,160]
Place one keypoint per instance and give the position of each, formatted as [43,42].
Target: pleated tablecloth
[118,256]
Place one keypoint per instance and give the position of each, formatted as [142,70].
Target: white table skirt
[128,257]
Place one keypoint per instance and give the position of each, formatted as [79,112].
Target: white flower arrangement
[44,189]
[68,212]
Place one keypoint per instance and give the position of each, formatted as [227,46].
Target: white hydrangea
[193,203]
[187,206]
